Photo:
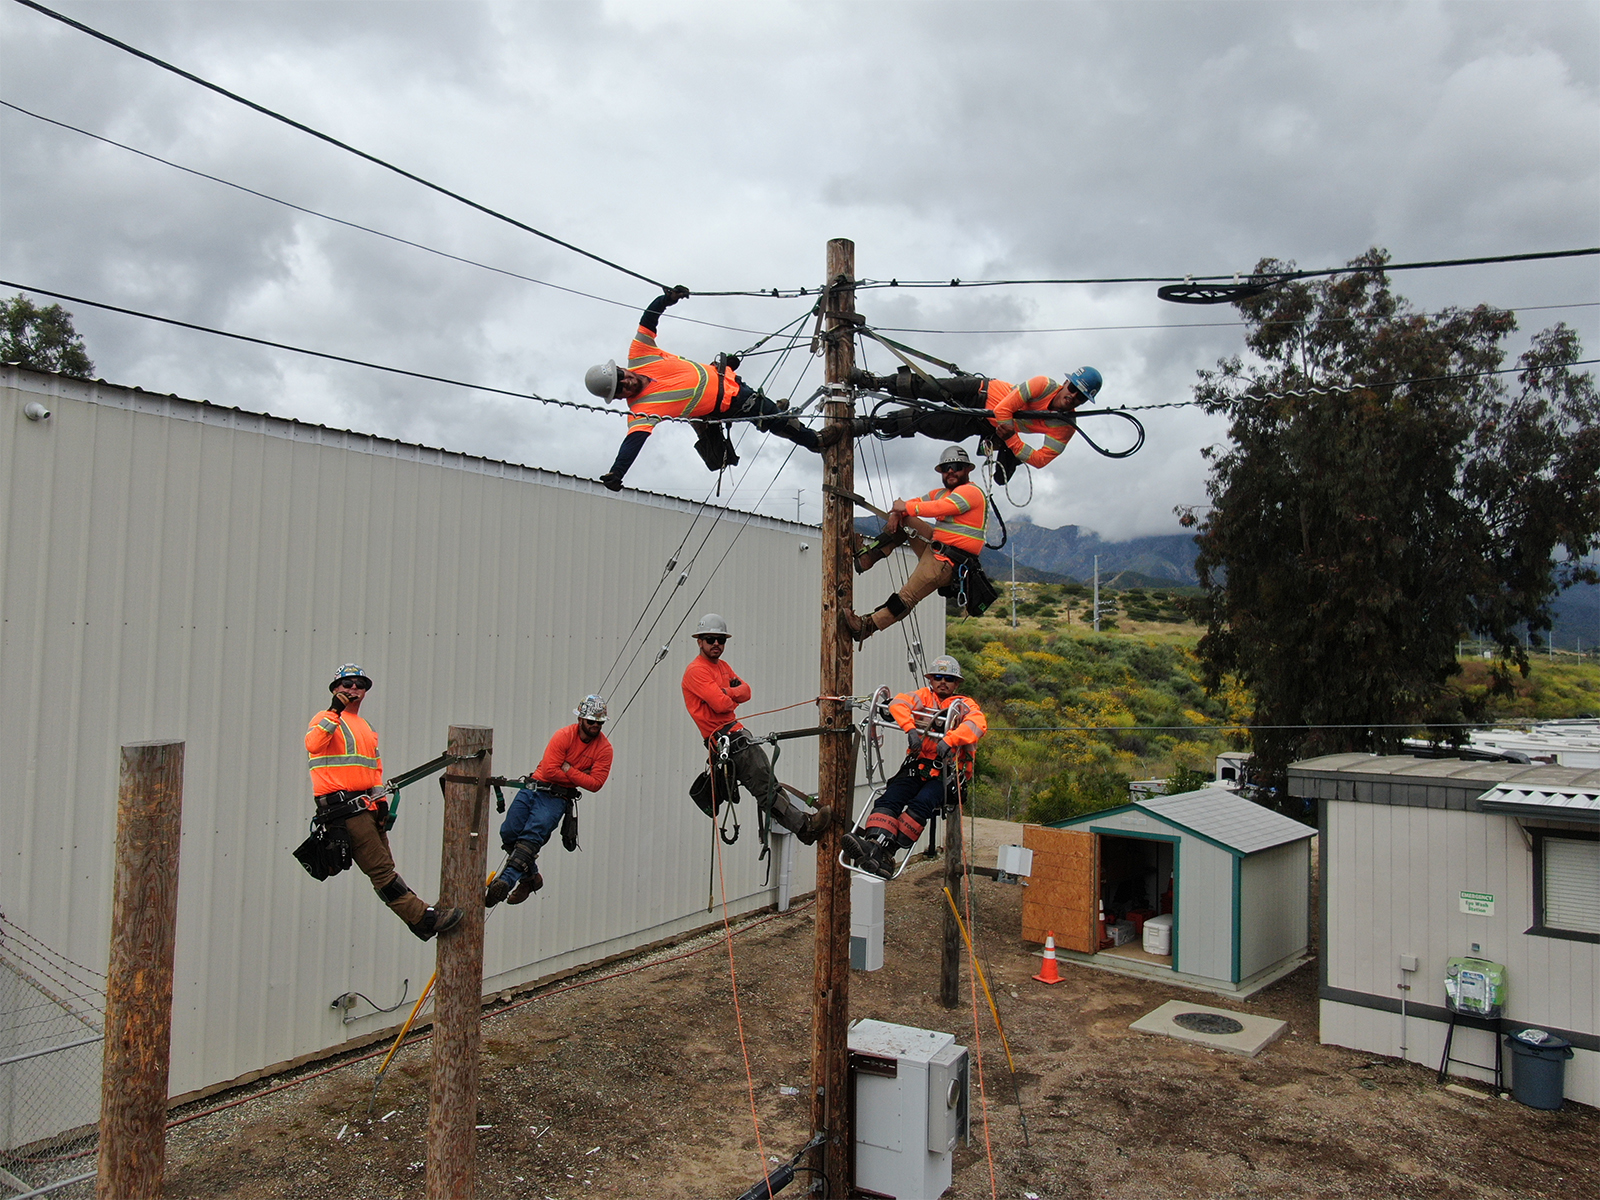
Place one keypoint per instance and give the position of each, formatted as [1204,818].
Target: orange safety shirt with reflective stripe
[969,728]
[1013,403]
[957,515]
[711,696]
[343,750]
[677,387]
[590,762]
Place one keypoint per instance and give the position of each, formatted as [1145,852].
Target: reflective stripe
[326,725]
[343,760]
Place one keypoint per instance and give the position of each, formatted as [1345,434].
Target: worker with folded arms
[943,728]
[958,511]
[577,756]
[347,782]
[657,384]
[712,693]
[1001,412]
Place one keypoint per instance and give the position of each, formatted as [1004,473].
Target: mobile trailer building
[1424,860]
[1234,876]
[177,569]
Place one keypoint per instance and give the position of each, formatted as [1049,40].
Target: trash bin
[1538,1067]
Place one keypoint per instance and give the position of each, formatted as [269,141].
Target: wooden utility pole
[950,959]
[830,1019]
[144,915]
[458,998]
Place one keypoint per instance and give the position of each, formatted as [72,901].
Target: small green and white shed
[1235,877]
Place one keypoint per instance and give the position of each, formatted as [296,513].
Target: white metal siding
[175,570]
[1274,905]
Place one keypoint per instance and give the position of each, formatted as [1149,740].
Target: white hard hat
[712,624]
[953,455]
[945,665]
[603,380]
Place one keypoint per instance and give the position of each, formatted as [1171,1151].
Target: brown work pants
[370,847]
[929,575]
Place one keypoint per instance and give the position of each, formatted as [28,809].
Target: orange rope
[738,1016]
[972,985]
[797,704]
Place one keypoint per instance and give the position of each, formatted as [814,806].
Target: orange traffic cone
[1049,974]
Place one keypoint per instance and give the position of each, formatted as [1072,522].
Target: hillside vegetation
[1076,715]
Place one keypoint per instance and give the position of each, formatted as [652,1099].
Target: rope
[972,953]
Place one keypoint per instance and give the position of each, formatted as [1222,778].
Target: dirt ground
[633,1085]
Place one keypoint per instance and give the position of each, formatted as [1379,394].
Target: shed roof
[1227,817]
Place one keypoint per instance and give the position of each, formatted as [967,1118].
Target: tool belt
[568,794]
[328,850]
[970,588]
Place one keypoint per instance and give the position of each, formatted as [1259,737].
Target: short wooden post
[458,996]
[144,915]
[950,960]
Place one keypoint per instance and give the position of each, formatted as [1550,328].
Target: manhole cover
[1203,1022]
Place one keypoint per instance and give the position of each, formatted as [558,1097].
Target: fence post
[458,997]
[144,911]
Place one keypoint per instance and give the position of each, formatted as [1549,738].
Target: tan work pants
[930,574]
[370,848]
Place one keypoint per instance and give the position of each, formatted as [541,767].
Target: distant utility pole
[1095,602]
[798,492]
[1013,584]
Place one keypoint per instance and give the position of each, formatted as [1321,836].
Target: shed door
[1062,895]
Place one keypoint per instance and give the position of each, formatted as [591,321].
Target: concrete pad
[1254,1035]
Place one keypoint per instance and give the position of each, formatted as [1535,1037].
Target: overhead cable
[332,141]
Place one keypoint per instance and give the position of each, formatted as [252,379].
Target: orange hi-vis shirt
[1009,402]
[711,696]
[970,726]
[677,387]
[591,761]
[958,515]
[343,750]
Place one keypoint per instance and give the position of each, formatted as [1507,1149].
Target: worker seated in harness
[352,806]
[712,693]
[657,384]
[943,728]
[947,551]
[578,756]
[1000,412]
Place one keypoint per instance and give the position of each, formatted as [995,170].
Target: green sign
[1478,904]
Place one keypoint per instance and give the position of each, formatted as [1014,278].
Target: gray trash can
[1538,1067]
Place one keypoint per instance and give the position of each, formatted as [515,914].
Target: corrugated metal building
[1235,876]
[1438,858]
[176,569]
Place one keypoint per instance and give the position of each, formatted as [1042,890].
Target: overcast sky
[721,145]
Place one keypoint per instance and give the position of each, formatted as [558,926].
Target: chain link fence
[52,1026]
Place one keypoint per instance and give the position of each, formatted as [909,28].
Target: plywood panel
[1062,893]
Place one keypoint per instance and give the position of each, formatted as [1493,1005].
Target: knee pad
[393,890]
[896,606]
[522,856]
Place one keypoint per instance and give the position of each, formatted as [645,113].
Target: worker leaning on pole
[577,756]
[943,727]
[352,806]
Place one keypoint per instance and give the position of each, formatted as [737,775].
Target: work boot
[526,886]
[814,825]
[868,854]
[499,887]
[831,435]
[433,922]
[859,628]
[613,483]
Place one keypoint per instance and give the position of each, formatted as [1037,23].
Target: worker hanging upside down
[952,543]
[657,384]
[712,693]
[1000,412]
[352,806]
[943,728]
[578,756]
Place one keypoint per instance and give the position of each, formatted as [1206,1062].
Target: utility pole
[1096,601]
[144,917]
[950,955]
[830,1012]
[458,999]
[1013,584]
[798,492]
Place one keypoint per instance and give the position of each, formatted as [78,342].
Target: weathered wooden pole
[144,916]
[950,959]
[830,1018]
[458,997]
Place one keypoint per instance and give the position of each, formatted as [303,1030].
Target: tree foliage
[1383,495]
[42,339]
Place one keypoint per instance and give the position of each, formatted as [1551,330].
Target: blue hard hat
[1087,381]
[349,671]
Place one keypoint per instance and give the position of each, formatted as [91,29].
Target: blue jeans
[532,817]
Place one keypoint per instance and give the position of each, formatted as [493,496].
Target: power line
[311,212]
[332,141]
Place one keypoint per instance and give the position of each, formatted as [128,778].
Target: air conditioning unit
[911,1091]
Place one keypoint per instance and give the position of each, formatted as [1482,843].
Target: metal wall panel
[174,569]
[1274,905]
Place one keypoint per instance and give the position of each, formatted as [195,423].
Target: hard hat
[712,624]
[603,380]
[349,671]
[945,665]
[591,708]
[1087,380]
[953,456]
